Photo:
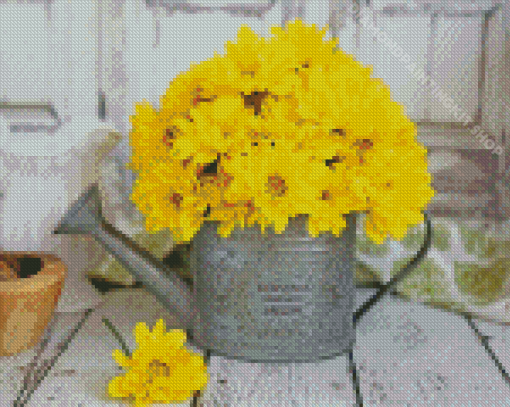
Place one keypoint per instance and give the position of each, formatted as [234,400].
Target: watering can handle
[404,272]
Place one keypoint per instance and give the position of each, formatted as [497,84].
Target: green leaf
[365,275]
[494,248]
[158,244]
[441,237]
[186,258]
[114,271]
[425,283]
[474,240]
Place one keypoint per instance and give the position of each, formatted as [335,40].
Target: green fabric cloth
[466,268]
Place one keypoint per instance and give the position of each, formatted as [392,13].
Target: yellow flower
[334,198]
[244,59]
[146,137]
[401,189]
[293,126]
[282,185]
[168,196]
[197,82]
[290,53]
[232,215]
[161,369]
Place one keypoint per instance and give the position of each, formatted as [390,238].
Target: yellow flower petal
[176,338]
[159,328]
[120,358]
[116,389]
[142,333]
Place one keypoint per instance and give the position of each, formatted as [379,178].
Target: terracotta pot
[28,296]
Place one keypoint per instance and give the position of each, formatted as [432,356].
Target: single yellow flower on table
[161,369]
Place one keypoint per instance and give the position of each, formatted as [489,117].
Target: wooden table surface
[406,354]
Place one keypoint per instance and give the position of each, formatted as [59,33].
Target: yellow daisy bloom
[333,197]
[282,185]
[161,369]
[169,197]
[400,191]
[188,88]
[244,58]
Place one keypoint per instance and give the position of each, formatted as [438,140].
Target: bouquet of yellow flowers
[274,128]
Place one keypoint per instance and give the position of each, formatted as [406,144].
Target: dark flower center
[254,100]
[338,132]
[170,134]
[176,199]
[326,195]
[157,369]
[365,144]
[334,160]
[277,187]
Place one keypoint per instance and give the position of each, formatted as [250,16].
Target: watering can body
[256,297]
[274,297]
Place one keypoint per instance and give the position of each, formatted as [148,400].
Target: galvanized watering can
[284,298]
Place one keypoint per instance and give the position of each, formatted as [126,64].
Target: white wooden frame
[503,78]
[64,36]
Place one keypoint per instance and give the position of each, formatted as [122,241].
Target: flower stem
[118,336]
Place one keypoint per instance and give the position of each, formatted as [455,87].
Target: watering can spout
[85,217]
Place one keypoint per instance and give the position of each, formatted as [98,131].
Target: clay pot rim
[54,270]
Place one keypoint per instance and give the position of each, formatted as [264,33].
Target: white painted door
[48,55]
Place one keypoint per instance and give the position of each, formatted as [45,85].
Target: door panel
[407,44]
[410,34]
[48,54]
[494,72]
[23,52]
[455,64]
